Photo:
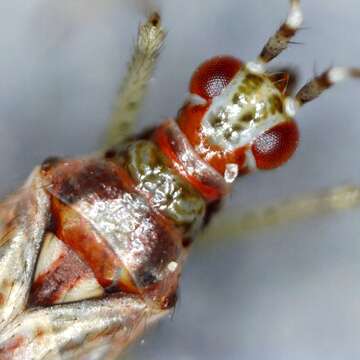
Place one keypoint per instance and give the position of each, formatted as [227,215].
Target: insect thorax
[121,222]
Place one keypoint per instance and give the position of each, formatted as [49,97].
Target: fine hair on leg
[132,91]
[282,37]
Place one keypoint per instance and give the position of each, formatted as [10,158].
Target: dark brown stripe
[277,43]
[314,88]
[79,235]
[77,187]
[63,275]
[286,31]
[77,179]
[49,162]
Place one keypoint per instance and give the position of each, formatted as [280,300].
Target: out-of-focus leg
[230,225]
[128,102]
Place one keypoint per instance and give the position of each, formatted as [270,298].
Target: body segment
[110,241]
[92,248]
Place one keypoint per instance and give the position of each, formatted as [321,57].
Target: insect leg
[331,200]
[319,84]
[150,38]
[280,40]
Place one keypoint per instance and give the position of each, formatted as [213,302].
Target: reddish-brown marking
[92,179]
[155,19]
[8,349]
[89,180]
[40,332]
[63,275]
[49,162]
[71,186]
[2,299]
[168,302]
[280,80]
[110,154]
[187,242]
[314,88]
[8,227]
[275,146]
[189,120]
[76,232]
[284,34]
[209,190]
[164,242]
[287,31]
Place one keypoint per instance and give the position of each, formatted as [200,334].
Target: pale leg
[229,225]
[128,102]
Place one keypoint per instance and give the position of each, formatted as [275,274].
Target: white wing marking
[25,217]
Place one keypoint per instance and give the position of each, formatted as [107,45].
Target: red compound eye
[213,75]
[275,146]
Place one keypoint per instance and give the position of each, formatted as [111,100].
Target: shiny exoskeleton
[121,221]
[92,248]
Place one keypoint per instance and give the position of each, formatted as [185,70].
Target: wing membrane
[23,219]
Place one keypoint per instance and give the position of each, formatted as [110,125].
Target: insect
[67,194]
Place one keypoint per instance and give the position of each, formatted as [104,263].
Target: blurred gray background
[284,293]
